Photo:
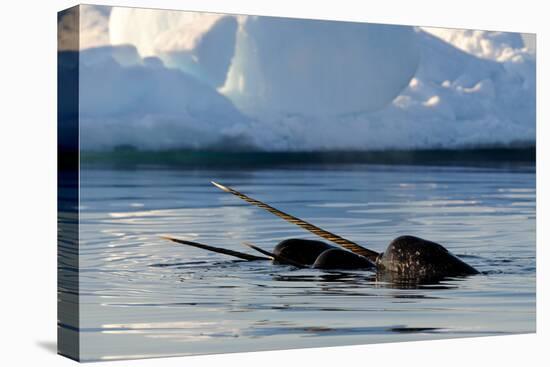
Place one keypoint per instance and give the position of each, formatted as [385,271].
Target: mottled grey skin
[410,257]
[407,258]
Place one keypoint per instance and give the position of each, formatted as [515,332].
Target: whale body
[406,259]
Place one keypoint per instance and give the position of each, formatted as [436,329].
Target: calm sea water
[142,296]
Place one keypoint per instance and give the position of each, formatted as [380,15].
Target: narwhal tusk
[240,255]
[347,244]
[281,259]
[271,255]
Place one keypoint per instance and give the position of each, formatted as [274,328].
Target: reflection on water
[142,296]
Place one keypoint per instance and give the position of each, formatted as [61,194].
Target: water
[142,296]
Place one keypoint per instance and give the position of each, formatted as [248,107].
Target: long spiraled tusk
[240,255]
[347,244]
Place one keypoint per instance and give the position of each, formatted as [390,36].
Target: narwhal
[407,258]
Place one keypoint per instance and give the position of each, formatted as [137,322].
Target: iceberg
[454,99]
[313,67]
[214,81]
[146,105]
[200,44]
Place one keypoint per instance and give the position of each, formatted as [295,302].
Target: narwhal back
[411,257]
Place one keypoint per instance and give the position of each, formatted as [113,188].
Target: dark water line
[130,158]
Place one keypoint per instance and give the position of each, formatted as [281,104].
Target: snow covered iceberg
[214,81]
